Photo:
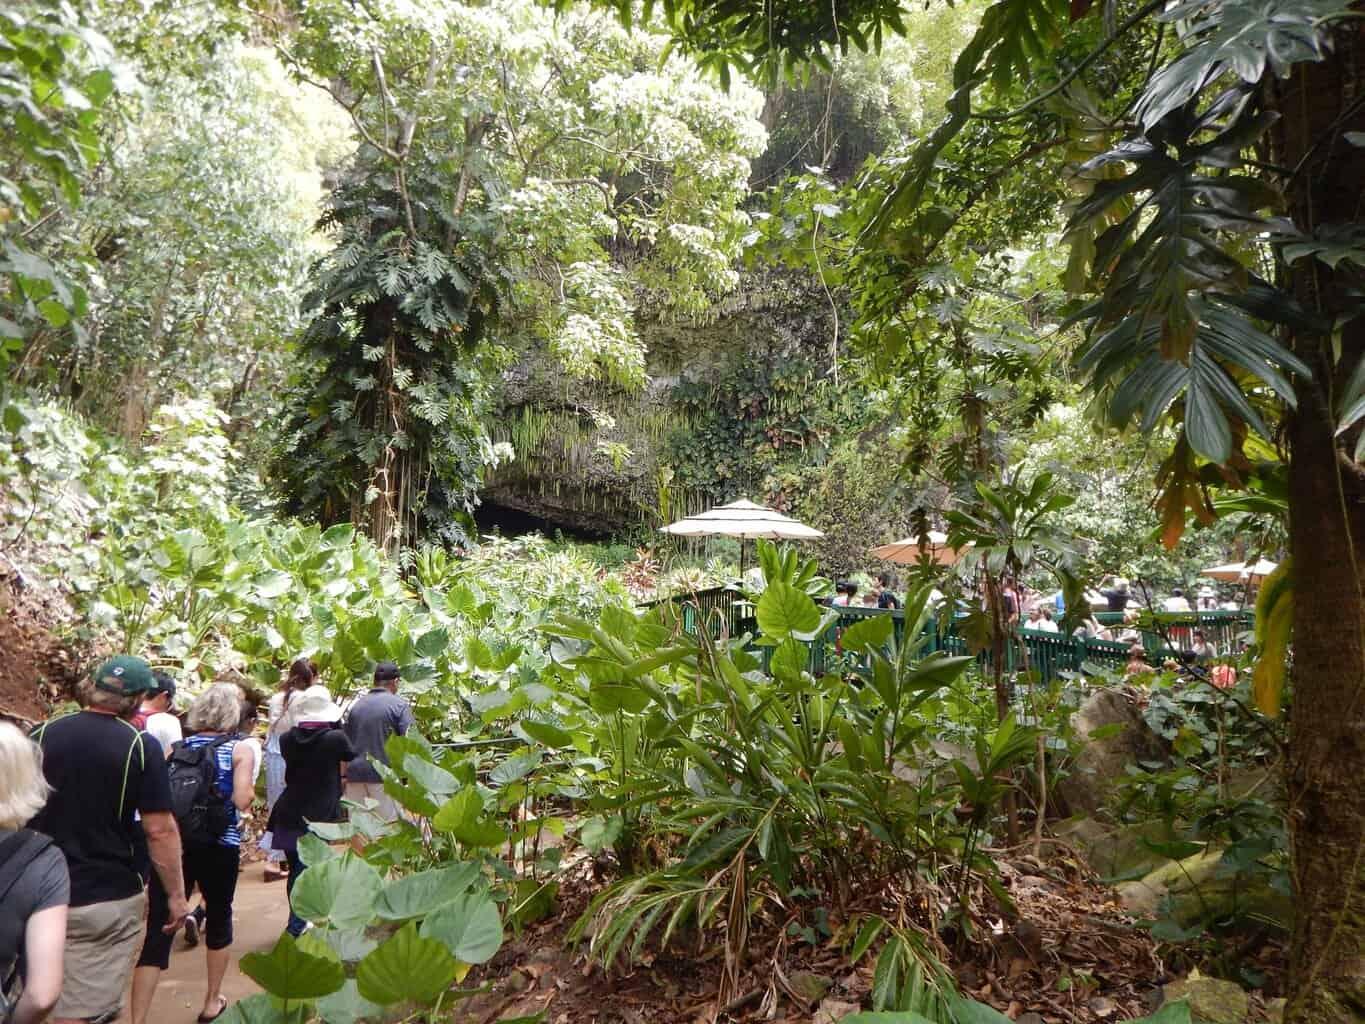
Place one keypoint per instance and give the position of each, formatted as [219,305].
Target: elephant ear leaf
[1274,629]
[288,972]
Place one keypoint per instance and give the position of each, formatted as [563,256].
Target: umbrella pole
[742,542]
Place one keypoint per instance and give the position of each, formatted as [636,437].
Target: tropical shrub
[736,781]
[156,560]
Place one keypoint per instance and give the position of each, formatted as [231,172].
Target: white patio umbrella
[1240,572]
[744,520]
[908,551]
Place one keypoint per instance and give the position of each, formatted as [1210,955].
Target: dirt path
[259,913]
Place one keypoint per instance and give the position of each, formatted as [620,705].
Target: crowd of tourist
[113,815]
[1031,612]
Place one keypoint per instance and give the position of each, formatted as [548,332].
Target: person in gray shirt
[375,717]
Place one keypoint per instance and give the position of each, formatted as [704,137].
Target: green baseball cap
[125,675]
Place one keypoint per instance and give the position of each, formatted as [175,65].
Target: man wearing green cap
[103,771]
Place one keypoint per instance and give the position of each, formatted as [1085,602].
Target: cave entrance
[491,517]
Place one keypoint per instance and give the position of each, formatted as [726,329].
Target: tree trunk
[1326,780]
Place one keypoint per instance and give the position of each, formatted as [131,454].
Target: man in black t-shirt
[886,599]
[1116,596]
[102,770]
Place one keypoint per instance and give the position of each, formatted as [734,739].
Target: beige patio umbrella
[1240,572]
[909,551]
[744,520]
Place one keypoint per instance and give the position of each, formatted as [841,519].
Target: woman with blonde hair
[34,888]
[212,848]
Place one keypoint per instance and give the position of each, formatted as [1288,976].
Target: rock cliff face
[599,460]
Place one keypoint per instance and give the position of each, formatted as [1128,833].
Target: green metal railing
[726,614]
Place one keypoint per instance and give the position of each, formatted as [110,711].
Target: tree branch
[350,108]
[595,183]
[1085,62]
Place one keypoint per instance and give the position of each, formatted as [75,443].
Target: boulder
[1196,890]
[1116,851]
[1115,735]
[1212,1000]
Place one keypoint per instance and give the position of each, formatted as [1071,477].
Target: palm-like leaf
[1240,38]
[1173,309]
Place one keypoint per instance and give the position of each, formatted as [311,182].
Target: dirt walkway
[259,914]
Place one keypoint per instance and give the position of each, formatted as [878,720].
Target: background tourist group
[1030,610]
[111,816]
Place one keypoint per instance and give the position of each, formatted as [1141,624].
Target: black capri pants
[213,871]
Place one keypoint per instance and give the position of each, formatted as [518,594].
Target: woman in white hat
[314,752]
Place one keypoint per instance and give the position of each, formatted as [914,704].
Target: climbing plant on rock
[520,180]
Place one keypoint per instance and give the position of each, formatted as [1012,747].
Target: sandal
[222,1008]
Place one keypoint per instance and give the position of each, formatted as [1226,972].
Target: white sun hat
[315,704]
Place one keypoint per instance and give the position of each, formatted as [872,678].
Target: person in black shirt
[102,771]
[314,752]
[1116,596]
[886,599]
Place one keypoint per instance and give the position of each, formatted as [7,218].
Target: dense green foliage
[563,158]
[56,76]
[314,276]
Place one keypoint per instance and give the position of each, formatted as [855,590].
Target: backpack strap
[211,750]
[38,734]
[141,748]
[17,852]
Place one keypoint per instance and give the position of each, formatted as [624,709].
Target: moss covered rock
[1199,890]
[1116,851]
[1212,1000]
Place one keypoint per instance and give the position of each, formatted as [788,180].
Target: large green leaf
[469,926]
[1352,404]
[261,1008]
[885,1017]
[351,945]
[1274,631]
[547,733]
[1128,357]
[438,782]
[482,833]
[340,892]
[415,895]
[1012,34]
[433,643]
[462,808]
[784,610]
[869,634]
[313,850]
[599,833]
[406,969]
[612,696]
[970,1011]
[287,972]
[511,769]
[1239,39]
[789,659]
[346,1006]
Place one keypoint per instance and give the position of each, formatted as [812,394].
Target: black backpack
[200,811]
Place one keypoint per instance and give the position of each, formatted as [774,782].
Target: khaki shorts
[102,941]
[359,792]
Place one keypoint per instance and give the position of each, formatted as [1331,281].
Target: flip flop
[222,1008]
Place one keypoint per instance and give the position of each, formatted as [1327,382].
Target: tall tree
[1220,233]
